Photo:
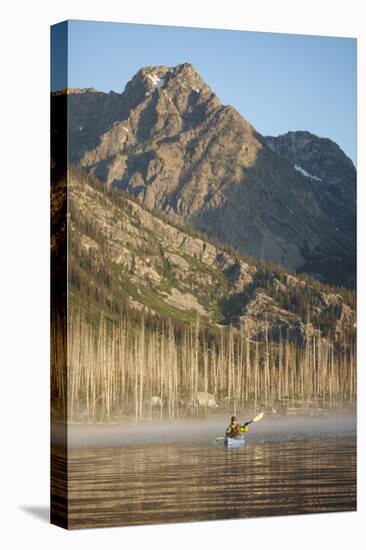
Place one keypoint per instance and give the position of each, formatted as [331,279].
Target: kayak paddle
[255,419]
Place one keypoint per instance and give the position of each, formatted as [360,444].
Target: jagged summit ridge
[161,75]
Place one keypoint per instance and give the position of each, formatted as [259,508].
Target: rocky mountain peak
[169,142]
[320,156]
[161,75]
[162,79]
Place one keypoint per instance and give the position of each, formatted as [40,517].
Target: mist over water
[272,428]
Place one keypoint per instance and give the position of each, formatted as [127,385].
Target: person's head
[234,420]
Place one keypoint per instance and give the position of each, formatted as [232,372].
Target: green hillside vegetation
[112,289]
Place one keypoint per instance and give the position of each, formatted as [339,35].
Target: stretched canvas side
[59,306]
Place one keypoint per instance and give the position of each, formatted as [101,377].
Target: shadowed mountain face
[169,142]
[332,176]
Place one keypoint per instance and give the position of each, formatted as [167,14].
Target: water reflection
[179,482]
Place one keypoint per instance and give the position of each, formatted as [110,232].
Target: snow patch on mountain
[157,82]
[305,173]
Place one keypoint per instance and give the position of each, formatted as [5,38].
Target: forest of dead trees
[148,369]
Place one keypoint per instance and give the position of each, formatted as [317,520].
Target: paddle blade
[258,417]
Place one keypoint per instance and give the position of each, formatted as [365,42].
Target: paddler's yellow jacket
[235,429]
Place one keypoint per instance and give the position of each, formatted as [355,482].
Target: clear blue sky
[277,82]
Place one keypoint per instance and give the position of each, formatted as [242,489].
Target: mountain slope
[123,256]
[169,142]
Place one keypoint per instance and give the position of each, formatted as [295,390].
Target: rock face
[169,142]
[123,255]
[206,399]
[156,401]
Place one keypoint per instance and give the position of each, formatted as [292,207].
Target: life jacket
[234,431]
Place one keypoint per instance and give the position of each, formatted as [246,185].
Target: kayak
[240,441]
[231,442]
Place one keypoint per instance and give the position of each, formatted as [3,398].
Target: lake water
[273,474]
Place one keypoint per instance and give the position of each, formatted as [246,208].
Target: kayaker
[235,429]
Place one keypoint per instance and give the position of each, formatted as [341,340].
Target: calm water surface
[192,482]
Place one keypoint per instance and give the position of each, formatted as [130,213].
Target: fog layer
[274,428]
